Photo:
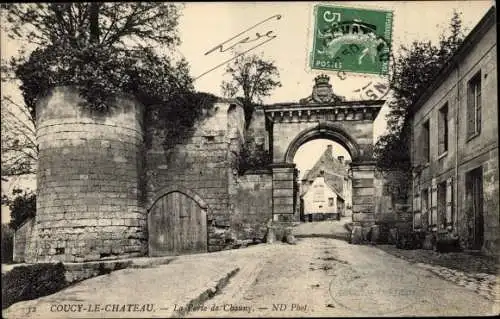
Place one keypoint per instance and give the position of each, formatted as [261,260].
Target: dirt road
[329,277]
[315,277]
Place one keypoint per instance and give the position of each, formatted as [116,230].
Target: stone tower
[89,203]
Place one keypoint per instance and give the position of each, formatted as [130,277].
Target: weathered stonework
[22,237]
[89,197]
[392,192]
[349,123]
[205,163]
[252,204]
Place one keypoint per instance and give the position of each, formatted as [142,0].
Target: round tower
[89,189]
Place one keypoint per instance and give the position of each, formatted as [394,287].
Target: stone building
[335,173]
[454,146]
[321,201]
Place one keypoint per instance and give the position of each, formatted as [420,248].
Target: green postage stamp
[351,40]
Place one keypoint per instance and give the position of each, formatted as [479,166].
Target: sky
[203,26]
[218,22]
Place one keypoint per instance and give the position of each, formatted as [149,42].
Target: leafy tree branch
[254,78]
[412,70]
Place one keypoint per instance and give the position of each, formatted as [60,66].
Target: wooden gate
[177,225]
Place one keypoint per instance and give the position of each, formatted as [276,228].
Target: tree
[411,71]
[253,77]
[7,243]
[22,206]
[252,156]
[104,49]
[19,147]
[121,24]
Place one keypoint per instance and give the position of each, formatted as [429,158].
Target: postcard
[249,159]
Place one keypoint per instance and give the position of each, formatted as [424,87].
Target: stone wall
[491,197]
[21,237]
[392,190]
[257,129]
[89,198]
[252,204]
[205,162]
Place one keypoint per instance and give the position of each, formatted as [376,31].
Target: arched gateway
[322,115]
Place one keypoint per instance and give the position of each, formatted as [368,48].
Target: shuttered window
[449,201]
[425,206]
[443,129]
[425,142]
[441,204]
[417,217]
[433,204]
[474,106]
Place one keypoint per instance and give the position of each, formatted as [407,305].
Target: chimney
[329,148]
[341,159]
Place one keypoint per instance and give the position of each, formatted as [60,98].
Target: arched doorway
[177,223]
[322,115]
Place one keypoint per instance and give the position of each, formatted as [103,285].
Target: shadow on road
[325,229]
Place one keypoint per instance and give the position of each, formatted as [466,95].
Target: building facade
[322,201]
[454,146]
[328,175]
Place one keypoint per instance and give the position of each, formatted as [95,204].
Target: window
[425,142]
[319,194]
[443,129]
[474,106]
[330,201]
[386,190]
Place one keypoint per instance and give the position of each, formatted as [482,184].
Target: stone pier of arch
[285,199]
[328,116]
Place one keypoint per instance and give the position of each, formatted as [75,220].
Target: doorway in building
[474,202]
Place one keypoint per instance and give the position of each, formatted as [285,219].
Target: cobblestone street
[286,161]
[474,272]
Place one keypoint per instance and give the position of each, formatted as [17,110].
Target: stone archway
[322,115]
[326,130]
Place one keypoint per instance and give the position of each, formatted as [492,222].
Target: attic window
[322,172]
